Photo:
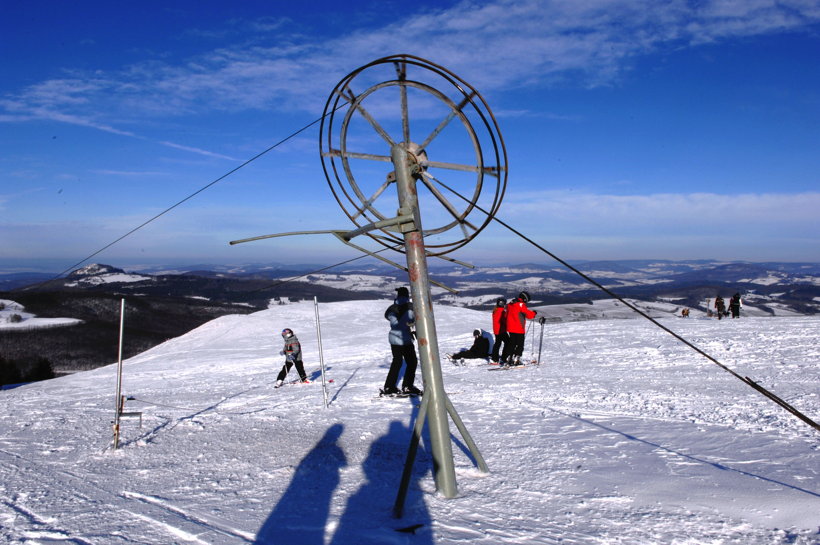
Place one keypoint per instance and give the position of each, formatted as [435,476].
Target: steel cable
[748,381]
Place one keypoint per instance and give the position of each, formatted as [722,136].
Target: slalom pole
[541,321]
[118,399]
[532,340]
[321,355]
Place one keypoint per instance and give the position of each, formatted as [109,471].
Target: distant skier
[479,350]
[720,307]
[293,356]
[517,315]
[734,305]
[499,330]
[401,317]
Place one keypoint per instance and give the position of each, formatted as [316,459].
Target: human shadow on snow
[301,515]
[367,518]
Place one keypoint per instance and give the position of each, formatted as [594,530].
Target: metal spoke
[492,171]
[446,120]
[355,155]
[401,71]
[375,124]
[443,200]
[375,196]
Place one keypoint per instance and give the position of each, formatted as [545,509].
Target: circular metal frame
[339,141]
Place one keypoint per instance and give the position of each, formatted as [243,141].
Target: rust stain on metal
[413,272]
[423,342]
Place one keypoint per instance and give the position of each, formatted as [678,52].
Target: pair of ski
[299,381]
[398,395]
[460,362]
[511,367]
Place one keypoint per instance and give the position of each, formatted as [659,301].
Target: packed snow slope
[621,435]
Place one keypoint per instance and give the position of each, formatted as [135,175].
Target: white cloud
[198,151]
[128,173]
[753,227]
[750,226]
[670,213]
[493,45]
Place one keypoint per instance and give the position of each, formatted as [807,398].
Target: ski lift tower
[449,161]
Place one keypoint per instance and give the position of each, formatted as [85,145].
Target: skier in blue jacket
[401,317]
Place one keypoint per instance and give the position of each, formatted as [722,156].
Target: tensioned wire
[195,193]
[748,381]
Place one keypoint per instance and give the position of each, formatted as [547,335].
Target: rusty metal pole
[437,417]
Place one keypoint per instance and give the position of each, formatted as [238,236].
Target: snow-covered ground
[14,316]
[109,278]
[622,435]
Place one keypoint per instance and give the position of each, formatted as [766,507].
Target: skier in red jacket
[499,330]
[517,315]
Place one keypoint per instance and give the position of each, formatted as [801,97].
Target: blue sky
[634,129]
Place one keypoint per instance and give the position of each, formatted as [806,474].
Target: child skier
[293,356]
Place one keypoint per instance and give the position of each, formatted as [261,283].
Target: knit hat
[402,292]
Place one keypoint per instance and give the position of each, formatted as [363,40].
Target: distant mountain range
[772,287]
[163,303]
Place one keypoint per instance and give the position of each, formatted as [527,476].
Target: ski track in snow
[621,435]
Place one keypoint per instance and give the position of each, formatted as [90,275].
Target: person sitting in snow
[479,350]
[499,330]
[517,315]
[401,317]
[293,356]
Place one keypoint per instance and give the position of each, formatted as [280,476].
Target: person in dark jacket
[293,356]
[720,307]
[401,317]
[517,316]
[499,329]
[479,350]
[734,305]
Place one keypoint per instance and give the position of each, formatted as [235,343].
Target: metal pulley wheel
[449,133]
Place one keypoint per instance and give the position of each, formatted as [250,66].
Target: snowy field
[13,316]
[621,436]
